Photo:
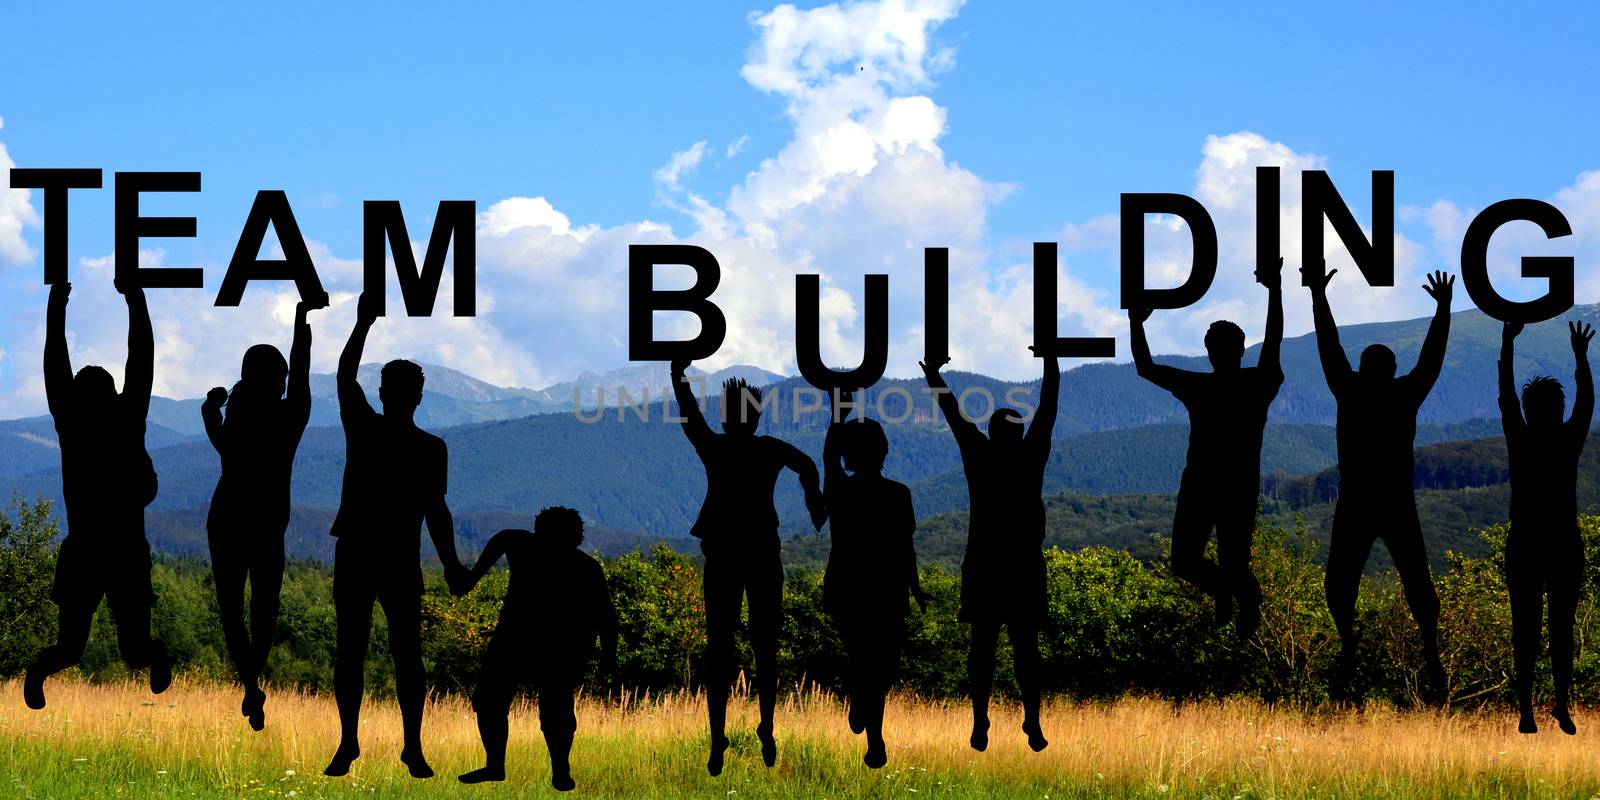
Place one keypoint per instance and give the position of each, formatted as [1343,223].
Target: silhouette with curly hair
[1544,552]
[555,607]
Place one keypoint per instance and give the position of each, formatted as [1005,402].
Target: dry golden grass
[117,739]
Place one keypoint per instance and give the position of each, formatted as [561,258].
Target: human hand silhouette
[127,288]
[1139,316]
[459,579]
[922,599]
[680,365]
[313,303]
[1441,286]
[59,292]
[932,369]
[367,308]
[1510,330]
[216,398]
[1582,333]
[1271,277]
[818,509]
[1316,277]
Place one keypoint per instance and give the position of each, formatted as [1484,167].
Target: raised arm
[299,394]
[1511,420]
[1272,279]
[1583,404]
[694,421]
[139,374]
[1440,287]
[1169,378]
[965,430]
[351,398]
[1335,364]
[832,459]
[1044,419]
[57,364]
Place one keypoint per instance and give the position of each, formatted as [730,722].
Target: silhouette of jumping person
[872,568]
[394,481]
[738,532]
[1544,552]
[107,479]
[250,507]
[555,607]
[1222,477]
[1376,431]
[1002,573]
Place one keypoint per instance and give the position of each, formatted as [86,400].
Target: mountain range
[515,450]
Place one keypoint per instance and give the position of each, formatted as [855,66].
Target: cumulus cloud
[16,213]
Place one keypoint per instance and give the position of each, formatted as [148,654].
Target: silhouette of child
[1222,478]
[738,532]
[1002,573]
[555,607]
[250,507]
[1544,552]
[107,478]
[394,481]
[872,568]
[1376,433]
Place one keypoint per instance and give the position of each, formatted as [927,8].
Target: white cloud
[16,213]
[682,163]
[737,146]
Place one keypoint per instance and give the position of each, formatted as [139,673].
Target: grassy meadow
[115,740]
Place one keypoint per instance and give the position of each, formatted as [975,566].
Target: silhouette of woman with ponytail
[1544,552]
[872,567]
[256,441]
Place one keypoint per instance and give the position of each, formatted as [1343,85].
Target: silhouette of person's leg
[765,596]
[402,607]
[74,619]
[353,596]
[1191,529]
[980,676]
[854,649]
[1348,551]
[228,573]
[1235,536]
[130,598]
[266,584]
[1411,561]
[1566,587]
[723,591]
[491,702]
[1527,612]
[1025,657]
[558,723]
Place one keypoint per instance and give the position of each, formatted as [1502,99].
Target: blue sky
[1012,123]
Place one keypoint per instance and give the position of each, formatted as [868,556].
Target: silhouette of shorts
[366,571]
[1003,588]
[117,569]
